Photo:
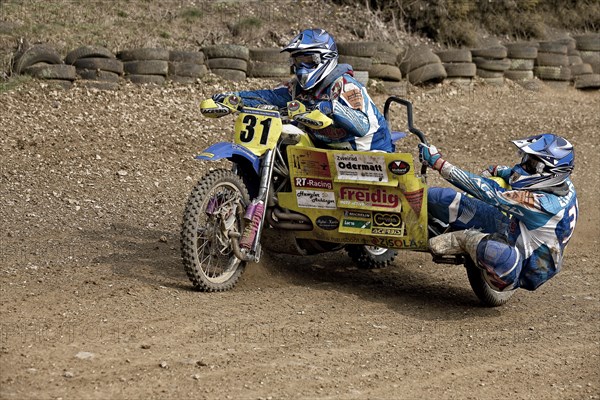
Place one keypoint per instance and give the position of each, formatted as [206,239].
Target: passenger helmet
[547,160]
[313,55]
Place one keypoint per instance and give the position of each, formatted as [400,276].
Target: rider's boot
[458,242]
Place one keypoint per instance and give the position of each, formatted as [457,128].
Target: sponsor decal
[336,89]
[315,199]
[388,231]
[310,163]
[387,224]
[399,167]
[327,222]
[354,98]
[357,214]
[360,167]
[365,197]
[313,183]
[415,199]
[387,220]
[207,155]
[217,111]
[520,196]
[356,223]
[396,243]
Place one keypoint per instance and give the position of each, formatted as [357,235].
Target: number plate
[258,130]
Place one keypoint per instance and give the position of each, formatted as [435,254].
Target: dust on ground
[94,302]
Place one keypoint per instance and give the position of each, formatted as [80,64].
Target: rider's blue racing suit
[531,234]
[357,123]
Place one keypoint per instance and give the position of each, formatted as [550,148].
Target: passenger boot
[458,242]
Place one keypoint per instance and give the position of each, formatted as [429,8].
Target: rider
[517,235]
[320,82]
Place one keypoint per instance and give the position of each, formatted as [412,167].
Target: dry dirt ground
[95,304]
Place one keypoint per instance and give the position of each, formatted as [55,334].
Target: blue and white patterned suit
[357,123]
[537,224]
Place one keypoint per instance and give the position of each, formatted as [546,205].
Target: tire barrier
[421,65]
[522,57]
[491,63]
[145,65]
[360,56]
[459,65]
[229,61]
[268,63]
[558,62]
[384,67]
[552,62]
[186,66]
[589,50]
[43,62]
[96,66]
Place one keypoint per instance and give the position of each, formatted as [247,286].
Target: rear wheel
[484,292]
[214,212]
[370,257]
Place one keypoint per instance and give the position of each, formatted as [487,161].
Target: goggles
[309,61]
[531,164]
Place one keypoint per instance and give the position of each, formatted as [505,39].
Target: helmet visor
[308,61]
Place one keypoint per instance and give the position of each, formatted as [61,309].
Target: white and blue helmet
[313,55]
[547,161]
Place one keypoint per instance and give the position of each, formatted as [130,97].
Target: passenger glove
[428,154]
[501,171]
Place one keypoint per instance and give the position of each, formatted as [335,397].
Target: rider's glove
[501,171]
[326,107]
[428,154]
[219,97]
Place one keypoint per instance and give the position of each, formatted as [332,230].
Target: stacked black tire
[229,61]
[588,47]
[552,63]
[44,62]
[360,56]
[186,66]
[459,66]
[145,65]
[97,67]
[268,63]
[421,65]
[491,63]
[522,57]
[385,68]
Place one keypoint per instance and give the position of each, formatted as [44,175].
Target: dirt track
[95,304]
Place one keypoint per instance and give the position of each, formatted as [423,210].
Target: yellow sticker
[258,130]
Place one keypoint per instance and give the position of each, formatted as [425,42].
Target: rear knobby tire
[484,292]
[370,257]
[206,252]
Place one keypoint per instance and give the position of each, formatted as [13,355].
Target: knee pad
[501,261]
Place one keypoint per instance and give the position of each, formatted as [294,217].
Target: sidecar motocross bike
[285,195]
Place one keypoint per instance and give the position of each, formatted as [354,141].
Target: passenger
[518,235]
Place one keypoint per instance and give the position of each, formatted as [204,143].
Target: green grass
[191,14]
[14,82]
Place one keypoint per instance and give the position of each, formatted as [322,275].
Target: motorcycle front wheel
[484,292]
[214,213]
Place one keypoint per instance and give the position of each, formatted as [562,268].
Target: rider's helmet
[547,161]
[313,55]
